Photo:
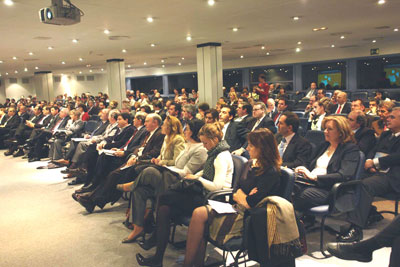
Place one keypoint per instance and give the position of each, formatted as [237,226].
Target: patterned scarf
[209,171]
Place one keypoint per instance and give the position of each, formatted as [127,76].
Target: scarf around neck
[209,171]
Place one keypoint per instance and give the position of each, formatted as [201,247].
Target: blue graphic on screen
[393,74]
[331,77]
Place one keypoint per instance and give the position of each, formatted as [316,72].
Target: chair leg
[396,208]
[321,244]
[172,239]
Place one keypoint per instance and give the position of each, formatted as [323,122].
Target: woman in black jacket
[336,161]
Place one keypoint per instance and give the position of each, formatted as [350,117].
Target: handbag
[188,186]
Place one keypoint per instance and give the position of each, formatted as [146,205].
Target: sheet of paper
[109,152]
[125,167]
[79,139]
[221,207]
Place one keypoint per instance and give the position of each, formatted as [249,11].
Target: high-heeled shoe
[125,187]
[148,244]
[149,261]
[127,240]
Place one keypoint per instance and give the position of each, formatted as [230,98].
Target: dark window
[376,73]
[282,75]
[233,78]
[179,81]
[145,84]
[327,75]
[90,78]
[80,78]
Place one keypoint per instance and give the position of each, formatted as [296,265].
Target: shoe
[127,224]
[85,195]
[75,182]
[18,153]
[33,159]
[66,171]
[147,261]
[62,162]
[346,251]
[149,243]
[372,219]
[75,196]
[69,176]
[8,153]
[85,189]
[42,167]
[25,156]
[354,234]
[125,187]
[87,204]
[126,240]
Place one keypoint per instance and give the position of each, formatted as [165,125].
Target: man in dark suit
[261,121]
[365,136]
[244,119]
[384,170]
[294,150]
[312,91]
[282,107]
[9,127]
[342,107]
[230,129]
[103,190]
[358,104]
[93,109]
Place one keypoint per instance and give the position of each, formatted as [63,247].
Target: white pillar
[116,80]
[209,72]
[43,81]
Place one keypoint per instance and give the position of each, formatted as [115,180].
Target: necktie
[339,109]
[276,117]
[281,147]
[130,139]
[56,125]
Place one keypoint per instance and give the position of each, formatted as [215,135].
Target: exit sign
[374,51]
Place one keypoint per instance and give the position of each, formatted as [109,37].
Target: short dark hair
[292,120]
[204,106]
[126,116]
[195,126]
[146,108]
[284,99]
[56,107]
[158,104]
[83,106]
[141,117]
[214,113]
[178,107]
[232,111]
[323,91]
[248,108]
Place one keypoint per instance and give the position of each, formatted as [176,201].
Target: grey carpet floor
[41,225]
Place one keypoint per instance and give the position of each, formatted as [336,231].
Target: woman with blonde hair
[335,161]
[217,174]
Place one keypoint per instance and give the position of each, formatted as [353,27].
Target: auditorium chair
[315,137]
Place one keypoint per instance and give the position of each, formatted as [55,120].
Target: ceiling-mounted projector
[60,14]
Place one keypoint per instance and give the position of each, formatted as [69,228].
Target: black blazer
[94,110]
[391,146]
[341,167]
[100,130]
[120,139]
[267,122]
[13,123]
[345,110]
[153,146]
[245,126]
[45,121]
[232,138]
[136,141]
[297,153]
[366,139]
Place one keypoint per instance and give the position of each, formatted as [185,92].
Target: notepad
[221,207]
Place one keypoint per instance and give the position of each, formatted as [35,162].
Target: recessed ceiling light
[102,69]
[298,49]
[88,65]
[6,73]
[129,66]
[152,45]
[320,29]
[80,59]
[0,74]
[262,47]
[333,46]
[299,42]
[8,2]
[162,60]
[396,30]
[80,72]
[1,61]
[30,53]
[381,2]
[150,19]
[63,62]
[90,71]
[183,58]
[145,63]
[50,48]
[26,69]
[179,64]
[374,41]
[36,68]
[15,58]
[235,29]
[241,56]
[106,31]
[342,37]
[16,72]
[123,50]
[211,2]
[163,66]
[267,53]
[75,41]
[296,18]
[188,38]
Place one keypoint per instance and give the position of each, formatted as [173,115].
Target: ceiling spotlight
[63,62]
[75,41]
[235,29]
[36,68]
[267,53]
[88,65]
[241,56]
[296,18]
[50,48]
[333,46]
[298,49]
[15,58]
[299,43]
[30,53]
[102,69]
[163,66]
[320,29]
[179,64]
[8,2]
[145,63]
[106,31]
[211,2]
[80,59]
[183,58]
[26,69]
[6,73]
[162,60]
[150,19]
[396,30]
[80,72]
[90,70]
[1,61]
[342,37]
[123,50]
[262,47]
[189,38]
[16,72]
[381,2]
[152,45]
[374,41]
[129,66]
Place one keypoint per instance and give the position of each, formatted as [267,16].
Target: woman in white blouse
[317,115]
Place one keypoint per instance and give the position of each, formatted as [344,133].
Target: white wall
[71,86]
[16,90]
[2,91]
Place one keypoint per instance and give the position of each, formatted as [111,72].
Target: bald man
[342,107]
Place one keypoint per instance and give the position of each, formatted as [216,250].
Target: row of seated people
[162,144]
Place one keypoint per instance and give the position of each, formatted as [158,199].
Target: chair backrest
[95,118]
[315,137]
[90,126]
[287,182]
[360,167]
[239,163]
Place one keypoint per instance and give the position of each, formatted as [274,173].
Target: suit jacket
[94,110]
[345,110]
[168,156]
[44,123]
[99,130]
[153,146]
[13,122]
[266,122]
[232,137]
[120,139]
[76,128]
[391,146]
[365,138]
[137,140]
[341,167]
[245,125]
[297,152]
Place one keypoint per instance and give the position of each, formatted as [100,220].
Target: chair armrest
[223,192]
[337,192]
